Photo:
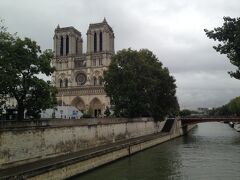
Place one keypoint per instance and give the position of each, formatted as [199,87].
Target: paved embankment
[39,167]
[25,142]
[70,164]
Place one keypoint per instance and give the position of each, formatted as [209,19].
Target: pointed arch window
[61,46]
[95,42]
[100,41]
[94,81]
[67,45]
[60,83]
[66,82]
[100,80]
[100,62]
[77,46]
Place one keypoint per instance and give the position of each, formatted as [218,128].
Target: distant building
[62,112]
[78,75]
[204,111]
[8,109]
[11,102]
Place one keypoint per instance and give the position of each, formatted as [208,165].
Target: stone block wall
[28,142]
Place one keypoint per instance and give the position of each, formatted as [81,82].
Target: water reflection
[210,151]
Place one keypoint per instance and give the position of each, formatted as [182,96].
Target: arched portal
[79,104]
[96,106]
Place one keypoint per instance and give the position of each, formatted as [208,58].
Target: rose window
[81,79]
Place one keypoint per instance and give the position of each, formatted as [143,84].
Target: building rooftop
[67,29]
[104,22]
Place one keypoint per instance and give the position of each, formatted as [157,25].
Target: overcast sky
[172,29]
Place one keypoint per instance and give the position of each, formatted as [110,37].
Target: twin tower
[68,40]
[78,75]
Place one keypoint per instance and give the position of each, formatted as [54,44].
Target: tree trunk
[20,110]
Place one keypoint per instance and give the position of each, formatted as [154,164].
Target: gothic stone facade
[79,75]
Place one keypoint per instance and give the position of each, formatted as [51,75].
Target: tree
[229,109]
[229,36]
[21,61]
[185,112]
[234,106]
[138,85]
[88,114]
[107,112]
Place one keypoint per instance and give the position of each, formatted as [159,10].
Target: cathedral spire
[104,20]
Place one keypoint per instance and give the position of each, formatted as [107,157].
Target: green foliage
[2,102]
[230,109]
[229,36]
[107,112]
[220,111]
[185,112]
[138,85]
[88,114]
[21,61]
[234,106]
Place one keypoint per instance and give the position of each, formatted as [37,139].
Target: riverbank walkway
[38,167]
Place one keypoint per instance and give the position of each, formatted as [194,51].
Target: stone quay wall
[68,170]
[28,141]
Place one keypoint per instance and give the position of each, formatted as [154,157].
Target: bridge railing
[191,120]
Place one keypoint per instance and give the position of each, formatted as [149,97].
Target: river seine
[210,151]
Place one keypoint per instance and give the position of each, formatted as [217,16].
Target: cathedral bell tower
[67,41]
[100,38]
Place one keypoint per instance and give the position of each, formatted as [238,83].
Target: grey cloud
[208,89]
[172,29]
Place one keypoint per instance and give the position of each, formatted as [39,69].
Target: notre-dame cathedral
[78,75]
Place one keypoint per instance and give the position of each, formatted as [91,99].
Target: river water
[210,151]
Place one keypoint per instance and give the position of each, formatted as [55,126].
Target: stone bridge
[195,120]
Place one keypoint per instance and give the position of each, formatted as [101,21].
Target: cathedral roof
[101,24]
[67,29]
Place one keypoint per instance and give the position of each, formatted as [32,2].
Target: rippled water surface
[211,151]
